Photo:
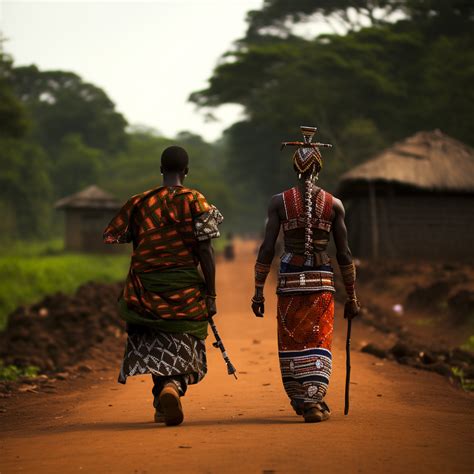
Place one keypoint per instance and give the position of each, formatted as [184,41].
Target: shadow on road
[114,426]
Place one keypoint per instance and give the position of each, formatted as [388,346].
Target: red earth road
[401,419]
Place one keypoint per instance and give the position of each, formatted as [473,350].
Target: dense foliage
[59,134]
[395,67]
[363,89]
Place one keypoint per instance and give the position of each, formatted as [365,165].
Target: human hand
[211,306]
[351,308]
[258,306]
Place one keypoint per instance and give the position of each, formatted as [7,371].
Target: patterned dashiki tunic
[305,302]
[163,299]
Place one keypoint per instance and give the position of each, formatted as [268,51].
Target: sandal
[170,403]
[316,412]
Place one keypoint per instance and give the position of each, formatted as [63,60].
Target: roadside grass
[466,383]
[11,373]
[469,344]
[19,248]
[29,271]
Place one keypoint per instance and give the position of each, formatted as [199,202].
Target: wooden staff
[219,344]
[348,365]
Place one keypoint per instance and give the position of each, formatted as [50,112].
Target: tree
[56,133]
[24,182]
[281,15]
[439,16]
[138,167]
[364,89]
[25,190]
[61,103]
[13,117]
[76,166]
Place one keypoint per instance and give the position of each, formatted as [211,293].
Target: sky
[148,56]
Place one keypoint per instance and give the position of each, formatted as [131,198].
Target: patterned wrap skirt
[151,351]
[305,330]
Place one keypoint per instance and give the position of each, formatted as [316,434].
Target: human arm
[344,259]
[205,255]
[206,227]
[266,254]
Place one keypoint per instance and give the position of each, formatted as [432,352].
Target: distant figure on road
[229,250]
[305,291]
[165,301]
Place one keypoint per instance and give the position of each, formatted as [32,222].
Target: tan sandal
[170,405]
[316,412]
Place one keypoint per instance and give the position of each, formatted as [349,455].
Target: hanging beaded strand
[307,163]
[308,209]
[308,134]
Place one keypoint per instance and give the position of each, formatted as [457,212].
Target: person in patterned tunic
[308,215]
[166,300]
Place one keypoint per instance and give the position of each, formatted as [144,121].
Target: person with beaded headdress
[308,216]
[166,301]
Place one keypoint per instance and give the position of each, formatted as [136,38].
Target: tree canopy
[362,89]
[61,103]
[394,68]
[59,134]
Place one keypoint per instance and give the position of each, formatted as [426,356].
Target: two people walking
[170,288]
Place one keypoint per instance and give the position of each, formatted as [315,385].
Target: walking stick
[219,344]
[348,365]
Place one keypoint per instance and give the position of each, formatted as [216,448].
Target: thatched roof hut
[86,215]
[411,199]
[91,197]
[430,161]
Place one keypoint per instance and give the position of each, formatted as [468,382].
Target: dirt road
[401,420]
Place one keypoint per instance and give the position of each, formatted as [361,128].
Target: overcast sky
[147,55]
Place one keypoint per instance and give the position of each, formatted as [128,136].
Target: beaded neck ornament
[307,158]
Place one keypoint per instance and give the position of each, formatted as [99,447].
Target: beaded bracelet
[348,273]
[261,272]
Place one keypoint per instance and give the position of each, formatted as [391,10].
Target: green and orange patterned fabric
[163,282]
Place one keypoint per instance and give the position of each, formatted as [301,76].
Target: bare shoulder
[276,202]
[276,206]
[338,207]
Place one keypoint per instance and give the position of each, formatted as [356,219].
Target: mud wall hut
[87,213]
[414,200]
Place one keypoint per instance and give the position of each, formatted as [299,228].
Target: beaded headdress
[307,154]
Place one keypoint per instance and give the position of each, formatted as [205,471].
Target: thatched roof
[429,161]
[91,197]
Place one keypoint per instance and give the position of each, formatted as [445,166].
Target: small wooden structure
[87,213]
[414,200]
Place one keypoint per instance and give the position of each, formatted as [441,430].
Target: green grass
[12,373]
[30,271]
[31,249]
[469,344]
[466,384]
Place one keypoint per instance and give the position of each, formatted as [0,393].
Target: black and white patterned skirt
[149,351]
